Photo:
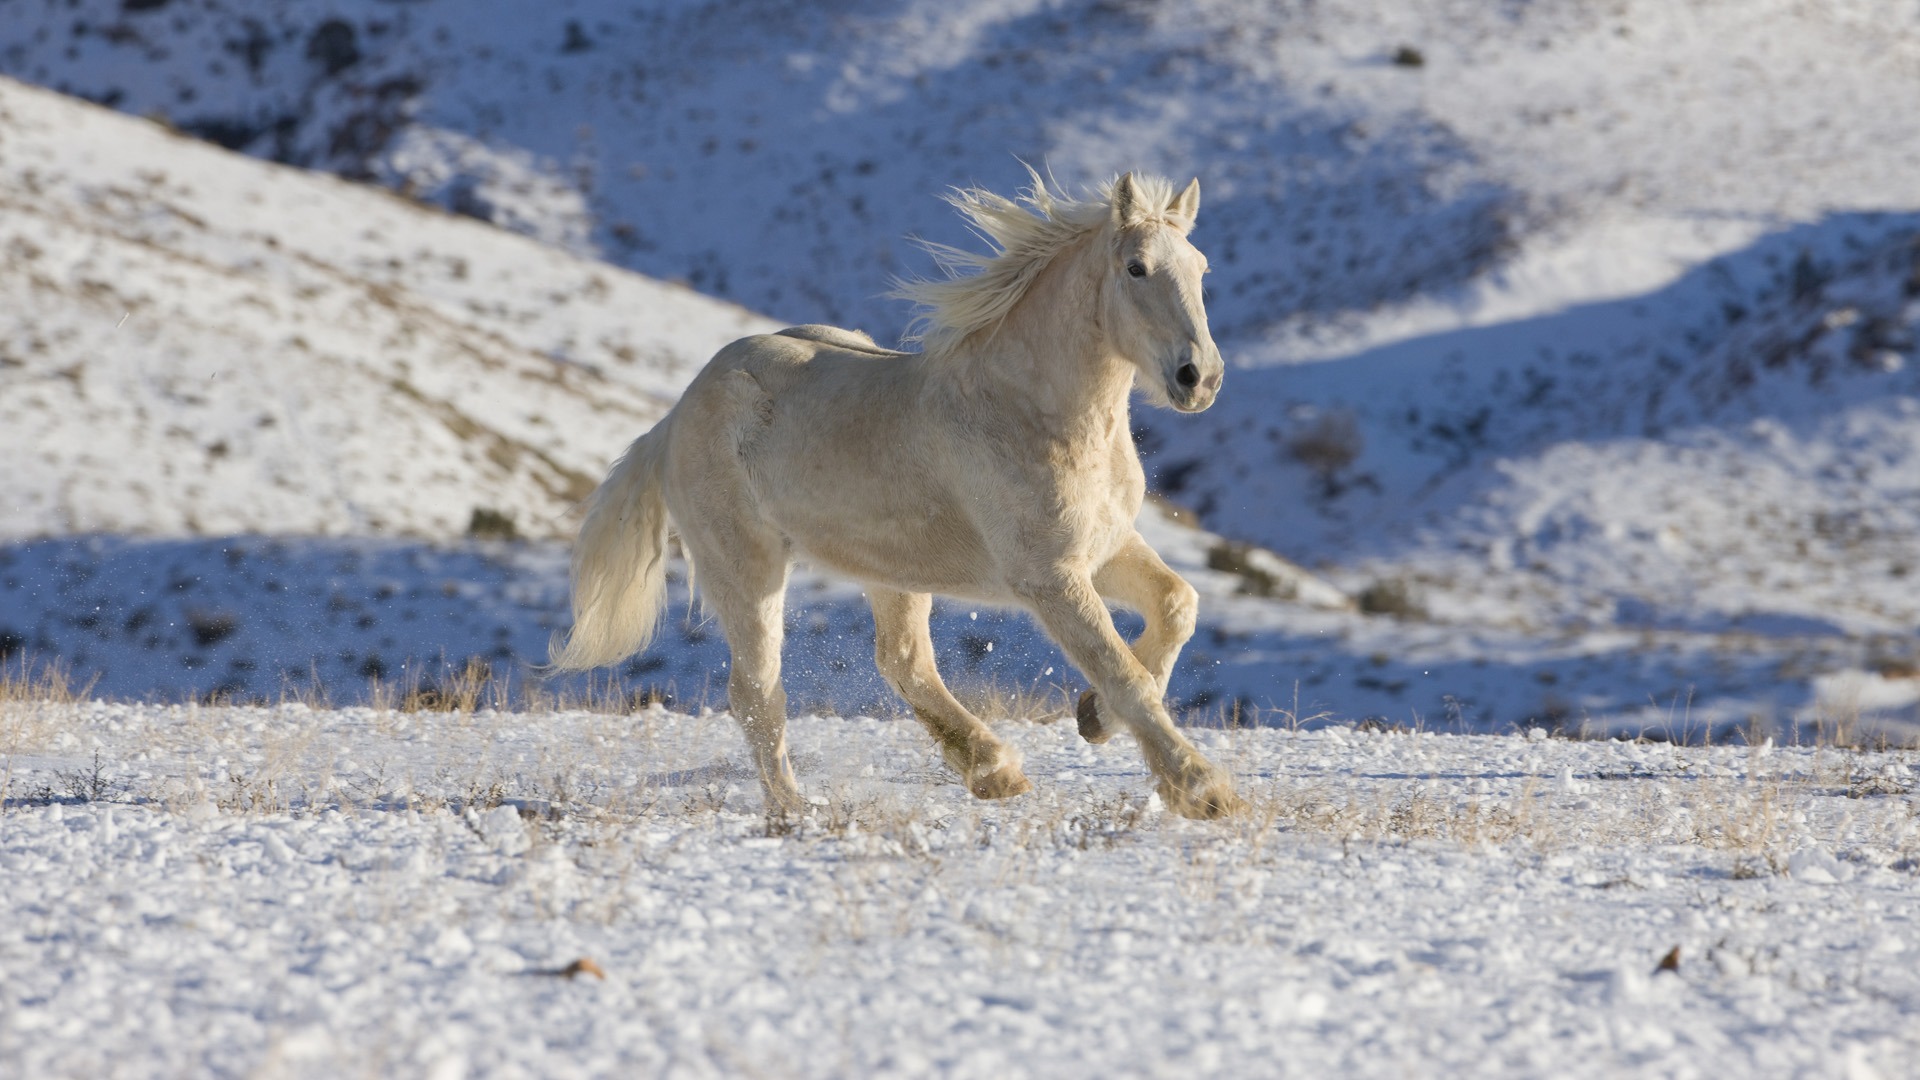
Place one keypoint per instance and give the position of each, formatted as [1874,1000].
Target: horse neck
[1049,356]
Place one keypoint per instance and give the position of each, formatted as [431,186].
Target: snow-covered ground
[297,892]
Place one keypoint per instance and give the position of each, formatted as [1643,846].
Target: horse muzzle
[1192,385]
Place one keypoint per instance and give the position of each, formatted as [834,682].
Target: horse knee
[1132,700]
[1180,609]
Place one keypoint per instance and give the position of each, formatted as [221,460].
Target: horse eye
[1136,270]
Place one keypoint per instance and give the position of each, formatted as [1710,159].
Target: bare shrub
[1327,445]
[491,524]
[1237,559]
[460,691]
[1392,596]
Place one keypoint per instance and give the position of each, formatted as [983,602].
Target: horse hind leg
[748,591]
[903,650]
[743,561]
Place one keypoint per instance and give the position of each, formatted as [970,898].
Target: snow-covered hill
[1356,154]
[1576,340]
[197,343]
[229,359]
[1738,450]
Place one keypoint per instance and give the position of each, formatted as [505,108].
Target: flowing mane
[979,290]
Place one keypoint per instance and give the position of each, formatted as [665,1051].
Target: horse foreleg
[1073,614]
[1138,579]
[903,651]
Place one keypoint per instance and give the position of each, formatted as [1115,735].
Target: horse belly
[934,552]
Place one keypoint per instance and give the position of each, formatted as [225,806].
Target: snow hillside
[1355,154]
[300,892]
[1576,342]
[195,343]
[1737,451]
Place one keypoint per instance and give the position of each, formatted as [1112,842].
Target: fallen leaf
[586,966]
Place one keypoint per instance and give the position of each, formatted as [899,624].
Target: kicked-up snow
[297,892]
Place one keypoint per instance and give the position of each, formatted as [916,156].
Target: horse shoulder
[1126,474]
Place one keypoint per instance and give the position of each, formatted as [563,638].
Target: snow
[299,891]
[797,151]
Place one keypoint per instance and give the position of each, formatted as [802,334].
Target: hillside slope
[1646,208]
[195,342]
[1739,451]
[1357,155]
[229,359]
[1576,340]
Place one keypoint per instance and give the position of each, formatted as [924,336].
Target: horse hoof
[1208,796]
[1002,783]
[1088,715]
[785,804]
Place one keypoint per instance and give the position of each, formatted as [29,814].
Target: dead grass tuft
[23,681]
[1405,816]
[1036,703]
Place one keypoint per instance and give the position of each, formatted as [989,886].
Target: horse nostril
[1188,376]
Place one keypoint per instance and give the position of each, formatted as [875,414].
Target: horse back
[839,337]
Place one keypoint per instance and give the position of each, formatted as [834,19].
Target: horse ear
[1123,200]
[1186,205]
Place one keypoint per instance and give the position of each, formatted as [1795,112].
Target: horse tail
[619,561]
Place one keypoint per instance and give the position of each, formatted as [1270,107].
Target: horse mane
[980,289]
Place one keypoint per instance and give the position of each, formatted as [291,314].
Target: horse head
[1154,306]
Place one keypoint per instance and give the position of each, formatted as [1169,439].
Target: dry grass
[1847,724]
[476,685]
[1405,813]
[32,698]
[602,764]
[1035,703]
[23,682]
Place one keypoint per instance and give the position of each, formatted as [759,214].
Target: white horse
[996,464]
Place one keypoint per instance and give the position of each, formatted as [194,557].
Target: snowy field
[296,892]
